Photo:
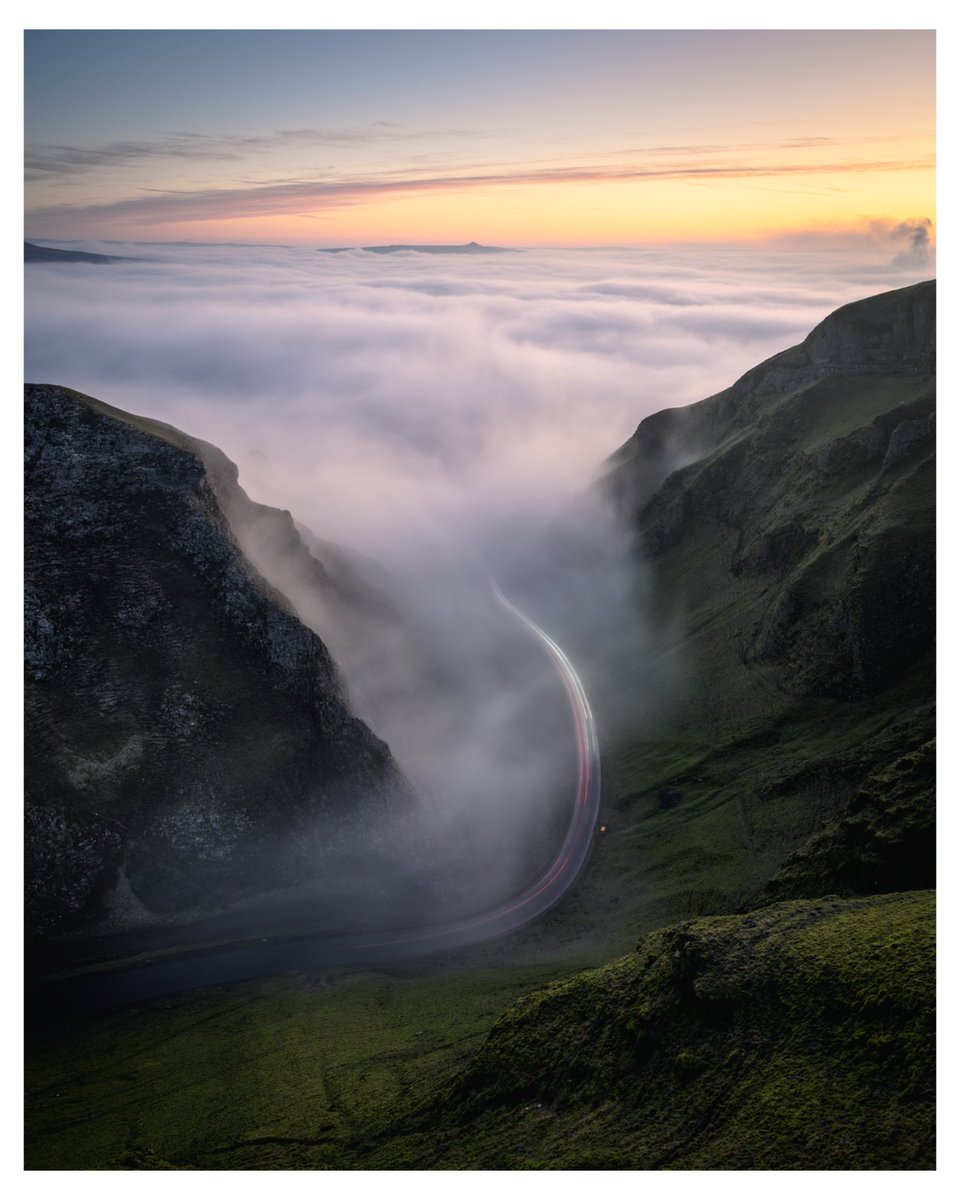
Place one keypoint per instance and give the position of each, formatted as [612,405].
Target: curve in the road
[104,987]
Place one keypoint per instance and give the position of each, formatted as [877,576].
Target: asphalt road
[99,988]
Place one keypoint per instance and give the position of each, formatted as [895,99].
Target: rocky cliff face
[188,740]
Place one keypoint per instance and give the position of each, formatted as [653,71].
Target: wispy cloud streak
[306,196]
[43,159]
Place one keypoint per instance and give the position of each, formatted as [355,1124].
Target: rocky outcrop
[188,740]
[818,465]
[883,841]
[890,334]
[893,334]
[799,1036]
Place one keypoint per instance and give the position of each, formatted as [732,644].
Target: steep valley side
[188,739]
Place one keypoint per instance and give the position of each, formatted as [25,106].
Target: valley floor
[797,1036]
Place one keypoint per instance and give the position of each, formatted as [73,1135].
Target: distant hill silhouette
[32,253]
[469,248]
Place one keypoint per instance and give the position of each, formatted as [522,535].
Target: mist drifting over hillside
[390,398]
[440,415]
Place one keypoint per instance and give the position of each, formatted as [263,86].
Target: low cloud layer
[394,393]
[439,414]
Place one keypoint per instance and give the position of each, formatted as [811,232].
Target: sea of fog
[381,397]
[438,413]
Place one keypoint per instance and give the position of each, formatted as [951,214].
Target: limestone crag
[188,737]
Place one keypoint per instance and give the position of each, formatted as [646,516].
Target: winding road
[94,989]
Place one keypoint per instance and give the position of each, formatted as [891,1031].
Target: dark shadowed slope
[187,737]
[145,976]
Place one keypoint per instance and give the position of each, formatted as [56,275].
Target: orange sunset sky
[513,138]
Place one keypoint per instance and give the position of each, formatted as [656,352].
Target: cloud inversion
[440,414]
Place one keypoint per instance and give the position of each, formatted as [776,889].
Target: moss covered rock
[797,1036]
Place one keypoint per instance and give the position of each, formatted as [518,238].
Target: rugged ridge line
[890,334]
[809,469]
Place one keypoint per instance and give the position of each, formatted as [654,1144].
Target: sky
[519,138]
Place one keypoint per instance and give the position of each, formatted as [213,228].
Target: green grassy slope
[785,668]
[800,1036]
[300,1071]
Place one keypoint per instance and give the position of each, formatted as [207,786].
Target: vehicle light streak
[110,984]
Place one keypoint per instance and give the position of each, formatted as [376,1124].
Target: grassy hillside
[768,719]
[800,1036]
[299,1071]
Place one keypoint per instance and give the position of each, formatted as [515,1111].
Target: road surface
[103,987]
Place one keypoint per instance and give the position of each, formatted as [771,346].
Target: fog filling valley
[440,418]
